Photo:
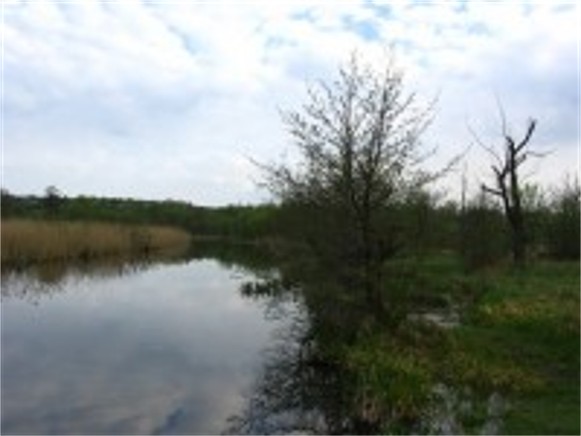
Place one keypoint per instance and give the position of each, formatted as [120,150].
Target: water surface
[179,345]
[161,348]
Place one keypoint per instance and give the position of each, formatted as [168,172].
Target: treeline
[423,223]
[551,225]
[420,223]
[235,222]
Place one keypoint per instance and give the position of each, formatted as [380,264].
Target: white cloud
[162,100]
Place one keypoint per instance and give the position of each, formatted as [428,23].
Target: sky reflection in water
[168,349]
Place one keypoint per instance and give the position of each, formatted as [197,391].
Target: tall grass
[25,241]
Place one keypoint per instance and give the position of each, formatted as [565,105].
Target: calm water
[196,346]
[161,348]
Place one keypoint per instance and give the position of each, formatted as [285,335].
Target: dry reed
[25,241]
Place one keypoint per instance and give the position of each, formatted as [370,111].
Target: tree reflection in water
[317,374]
[46,279]
[301,389]
[310,382]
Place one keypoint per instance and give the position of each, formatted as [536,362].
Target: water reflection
[241,256]
[42,280]
[300,389]
[148,346]
[296,391]
[222,339]
[307,386]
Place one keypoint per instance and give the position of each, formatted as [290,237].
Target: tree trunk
[518,239]
[508,189]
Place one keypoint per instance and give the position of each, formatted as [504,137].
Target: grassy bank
[518,338]
[532,319]
[25,241]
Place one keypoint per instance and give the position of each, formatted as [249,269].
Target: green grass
[553,411]
[532,317]
[519,336]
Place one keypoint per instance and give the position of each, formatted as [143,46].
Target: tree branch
[489,149]
[491,190]
[530,130]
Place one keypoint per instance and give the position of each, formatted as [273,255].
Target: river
[221,340]
[149,348]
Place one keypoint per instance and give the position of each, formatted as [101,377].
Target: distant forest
[475,229]
[244,222]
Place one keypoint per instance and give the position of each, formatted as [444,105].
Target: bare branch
[510,147]
[520,160]
[358,139]
[502,114]
[489,149]
[540,154]
[500,173]
[529,133]
[491,190]
[507,183]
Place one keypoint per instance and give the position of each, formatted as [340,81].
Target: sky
[174,99]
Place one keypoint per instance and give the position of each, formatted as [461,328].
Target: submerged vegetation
[26,241]
[518,337]
[494,351]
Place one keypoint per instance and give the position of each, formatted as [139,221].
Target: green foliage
[564,222]
[482,234]
[517,341]
[555,412]
[393,380]
[359,149]
[519,337]
[417,223]
[52,200]
[236,222]
[532,317]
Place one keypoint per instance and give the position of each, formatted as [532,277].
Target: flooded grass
[28,241]
[516,337]
[531,318]
[490,352]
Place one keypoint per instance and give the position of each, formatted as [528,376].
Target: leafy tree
[359,142]
[52,199]
[6,202]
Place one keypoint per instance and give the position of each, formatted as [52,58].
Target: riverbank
[493,351]
[497,353]
[25,241]
[532,318]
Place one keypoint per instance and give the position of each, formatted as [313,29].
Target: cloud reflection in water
[168,349]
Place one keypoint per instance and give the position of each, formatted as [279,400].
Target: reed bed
[25,241]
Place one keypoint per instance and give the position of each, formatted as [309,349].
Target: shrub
[563,227]
[483,236]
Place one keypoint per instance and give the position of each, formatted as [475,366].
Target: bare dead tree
[507,182]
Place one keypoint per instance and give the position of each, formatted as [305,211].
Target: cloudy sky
[158,100]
